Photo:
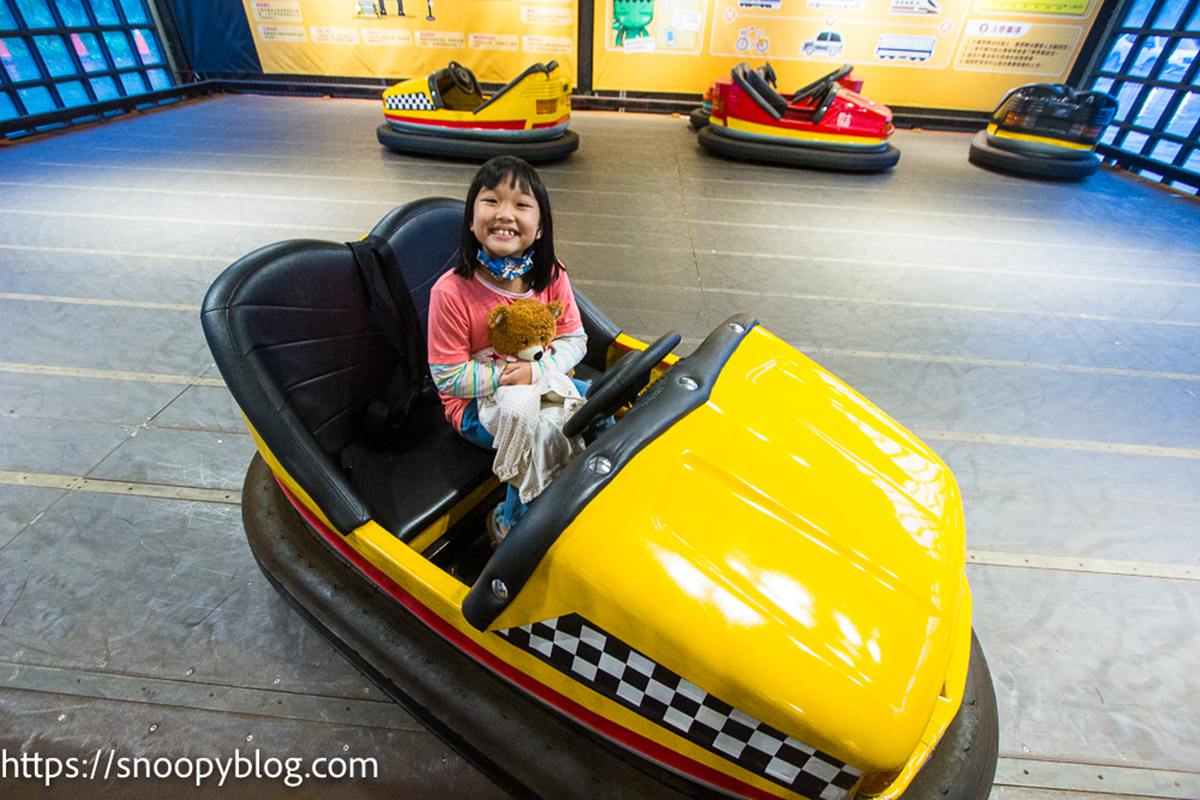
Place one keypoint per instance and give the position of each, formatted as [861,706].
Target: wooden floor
[1043,338]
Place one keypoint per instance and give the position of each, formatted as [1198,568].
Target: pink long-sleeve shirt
[458,316]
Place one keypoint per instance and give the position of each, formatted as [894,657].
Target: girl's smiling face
[505,220]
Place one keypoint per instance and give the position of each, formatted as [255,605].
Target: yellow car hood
[788,548]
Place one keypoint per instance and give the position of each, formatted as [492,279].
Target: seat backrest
[424,237]
[767,91]
[530,70]
[451,95]
[290,329]
[758,90]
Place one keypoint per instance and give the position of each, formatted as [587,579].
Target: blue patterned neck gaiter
[508,267]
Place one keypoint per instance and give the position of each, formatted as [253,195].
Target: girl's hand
[516,373]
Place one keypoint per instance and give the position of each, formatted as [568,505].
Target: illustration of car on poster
[897,46]
[925,7]
[827,44]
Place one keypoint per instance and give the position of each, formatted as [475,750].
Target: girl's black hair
[518,173]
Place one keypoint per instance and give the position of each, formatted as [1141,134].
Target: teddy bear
[524,329]
[526,420]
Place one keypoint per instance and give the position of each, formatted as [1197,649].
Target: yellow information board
[954,54]
[497,39]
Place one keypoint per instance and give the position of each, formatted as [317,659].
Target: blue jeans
[511,508]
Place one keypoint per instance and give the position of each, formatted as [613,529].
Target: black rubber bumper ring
[798,156]
[476,149]
[985,154]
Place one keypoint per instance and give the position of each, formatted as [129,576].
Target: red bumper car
[825,125]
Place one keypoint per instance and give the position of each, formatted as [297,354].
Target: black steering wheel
[822,83]
[768,74]
[463,78]
[620,384]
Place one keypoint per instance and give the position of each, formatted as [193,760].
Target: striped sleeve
[564,354]
[467,379]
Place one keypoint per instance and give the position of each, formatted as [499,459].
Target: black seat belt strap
[392,309]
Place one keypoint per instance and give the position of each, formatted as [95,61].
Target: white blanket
[526,422]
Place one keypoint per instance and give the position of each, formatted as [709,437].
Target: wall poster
[954,54]
[496,39]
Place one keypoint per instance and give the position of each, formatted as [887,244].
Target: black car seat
[291,331]
[759,91]
[456,88]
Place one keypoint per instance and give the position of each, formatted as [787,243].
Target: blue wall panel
[216,36]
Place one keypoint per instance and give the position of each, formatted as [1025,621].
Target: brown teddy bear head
[524,328]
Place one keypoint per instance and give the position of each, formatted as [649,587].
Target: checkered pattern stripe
[582,651]
[408,102]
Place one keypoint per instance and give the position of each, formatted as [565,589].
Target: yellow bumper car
[447,114]
[752,585]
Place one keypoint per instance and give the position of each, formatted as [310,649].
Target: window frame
[28,35]
[1138,158]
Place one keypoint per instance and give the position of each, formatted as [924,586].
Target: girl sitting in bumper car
[507,255]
